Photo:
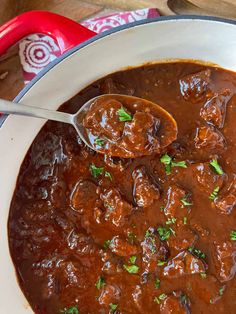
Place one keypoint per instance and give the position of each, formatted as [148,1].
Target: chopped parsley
[165,233]
[152,243]
[185,201]
[100,283]
[108,175]
[181,164]
[132,259]
[233,235]
[184,299]
[198,253]
[216,166]
[113,306]
[160,263]
[214,194]
[162,208]
[107,244]
[148,234]
[124,115]
[171,221]
[157,283]
[96,171]
[169,163]
[99,142]
[131,237]
[160,298]
[203,275]
[185,219]
[132,269]
[70,310]
[221,290]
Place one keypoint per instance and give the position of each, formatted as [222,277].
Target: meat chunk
[84,195]
[215,109]
[175,303]
[227,201]
[153,250]
[109,294]
[111,263]
[208,138]
[184,238]
[104,119]
[194,87]
[184,264]
[224,255]
[207,179]
[206,289]
[140,134]
[174,207]
[145,191]
[121,247]
[116,208]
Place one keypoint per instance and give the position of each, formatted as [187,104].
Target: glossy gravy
[92,234]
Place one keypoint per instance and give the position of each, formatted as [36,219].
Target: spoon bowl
[77,120]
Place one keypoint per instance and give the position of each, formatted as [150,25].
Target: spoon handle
[23,110]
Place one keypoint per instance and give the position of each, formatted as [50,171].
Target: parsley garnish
[181,164]
[171,221]
[157,283]
[185,219]
[96,171]
[100,283]
[108,175]
[203,275]
[161,263]
[198,253]
[168,162]
[184,299]
[221,290]
[99,142]
[113,306]
[148,234]
[185,201]
[165,233]
[162,208]
[124,115]
[216,166]
[160,298]
[132,269]
[70,310]
[131,237]
[233,235]
[214,194]
[132,259]
[107,244]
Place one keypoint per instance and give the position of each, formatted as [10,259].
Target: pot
[86,58]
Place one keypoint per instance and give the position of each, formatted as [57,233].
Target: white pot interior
[206,40]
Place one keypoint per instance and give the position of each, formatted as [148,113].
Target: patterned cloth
[37,51]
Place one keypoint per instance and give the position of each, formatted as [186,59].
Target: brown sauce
[128,127]
[89,233]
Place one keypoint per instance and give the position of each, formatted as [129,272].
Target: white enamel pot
[184,37]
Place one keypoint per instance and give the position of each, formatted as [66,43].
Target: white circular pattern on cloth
[36,52]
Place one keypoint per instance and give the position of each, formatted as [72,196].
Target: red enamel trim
[64,31]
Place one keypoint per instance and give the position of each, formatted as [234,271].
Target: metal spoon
[76,119]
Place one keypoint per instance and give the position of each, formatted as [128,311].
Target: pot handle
[64,31]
